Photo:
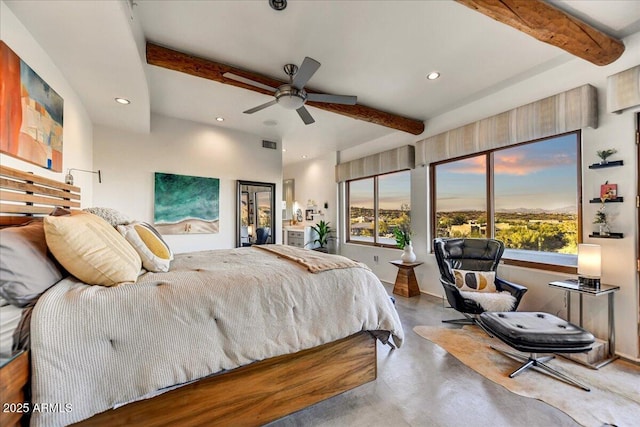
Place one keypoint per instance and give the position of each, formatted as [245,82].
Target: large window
[526,195]
[377,206]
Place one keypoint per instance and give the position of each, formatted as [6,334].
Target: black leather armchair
[476,255]
[262,235]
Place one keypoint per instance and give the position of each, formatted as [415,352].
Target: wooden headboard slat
[30,177]
[36,200]
[25,196]
[25,188]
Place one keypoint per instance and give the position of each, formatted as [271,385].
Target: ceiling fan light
[290,102]
[278,4]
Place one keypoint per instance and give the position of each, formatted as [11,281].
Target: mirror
[255,213]
[288,197]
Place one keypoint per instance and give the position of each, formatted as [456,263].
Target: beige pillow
[91,249]
[153,250]
[478,281]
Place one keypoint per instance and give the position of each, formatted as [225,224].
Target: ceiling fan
[292,95]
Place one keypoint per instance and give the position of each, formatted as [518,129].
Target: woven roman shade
[623,90]
[565,112]
[388,161]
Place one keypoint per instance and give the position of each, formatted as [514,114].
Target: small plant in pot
[403,241]
[604,154]
[403,237]
[323,232]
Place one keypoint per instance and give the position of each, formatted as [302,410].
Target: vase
[408,255]
[603,229]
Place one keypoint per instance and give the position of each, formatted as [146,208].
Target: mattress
[95,347]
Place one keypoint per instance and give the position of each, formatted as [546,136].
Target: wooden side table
[406,283]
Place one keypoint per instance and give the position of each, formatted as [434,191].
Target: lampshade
[589,264]
[250,230]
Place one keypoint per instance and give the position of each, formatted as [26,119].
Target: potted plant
[323,232]
[403,241]
[603,154]
[601,219]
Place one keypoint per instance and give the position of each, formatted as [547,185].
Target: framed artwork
[308,214]
[186,204]
[31,114]
[608,191]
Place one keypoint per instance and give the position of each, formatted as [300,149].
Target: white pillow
[153,250]
[91,249]
[476,281]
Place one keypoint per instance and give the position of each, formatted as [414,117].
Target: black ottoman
[533,333]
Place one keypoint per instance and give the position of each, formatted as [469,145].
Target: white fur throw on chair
[494,301]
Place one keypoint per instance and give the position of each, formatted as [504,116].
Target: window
[377,206]
[525,195]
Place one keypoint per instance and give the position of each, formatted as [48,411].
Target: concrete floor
[422,385]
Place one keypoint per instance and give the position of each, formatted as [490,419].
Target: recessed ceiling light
[284,150]
[304,156]
[433,75]
[123,101]
[220,119]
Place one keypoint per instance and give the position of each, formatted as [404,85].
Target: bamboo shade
[393,160]
[623,90]
[565,112]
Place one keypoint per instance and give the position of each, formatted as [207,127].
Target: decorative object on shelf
[308,214]
[323,231]
[601,219]
[589,265]
[298,215]
[604,154]
[608,191]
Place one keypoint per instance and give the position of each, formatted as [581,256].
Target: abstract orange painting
[31,114]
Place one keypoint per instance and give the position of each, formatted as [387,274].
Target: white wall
[619,256]
[128,162]
[77,127]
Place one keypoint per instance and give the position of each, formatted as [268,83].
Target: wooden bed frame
[251,395]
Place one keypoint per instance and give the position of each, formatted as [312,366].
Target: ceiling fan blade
[261,107]
[333,99]
[248,81]
[305,115]
[307,69]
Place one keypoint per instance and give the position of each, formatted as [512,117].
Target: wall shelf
[606,165]
[607,236]
[616,200]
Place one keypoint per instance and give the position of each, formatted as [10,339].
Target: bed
[308,336]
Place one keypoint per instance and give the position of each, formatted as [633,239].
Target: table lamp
[589,265]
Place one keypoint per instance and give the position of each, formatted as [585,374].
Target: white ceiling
[380,51]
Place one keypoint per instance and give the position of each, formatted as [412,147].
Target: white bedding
[94,347]
[9,319]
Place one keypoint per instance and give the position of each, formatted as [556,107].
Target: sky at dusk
[393,190]
[539,175]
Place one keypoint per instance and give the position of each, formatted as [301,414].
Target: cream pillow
[153,250]
[478,281]
[91,249]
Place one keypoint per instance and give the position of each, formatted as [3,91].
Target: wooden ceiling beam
[553,26]
[211,70]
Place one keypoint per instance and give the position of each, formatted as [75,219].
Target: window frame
[376,206]
[490,201]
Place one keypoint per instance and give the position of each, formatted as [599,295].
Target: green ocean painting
[186,204]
